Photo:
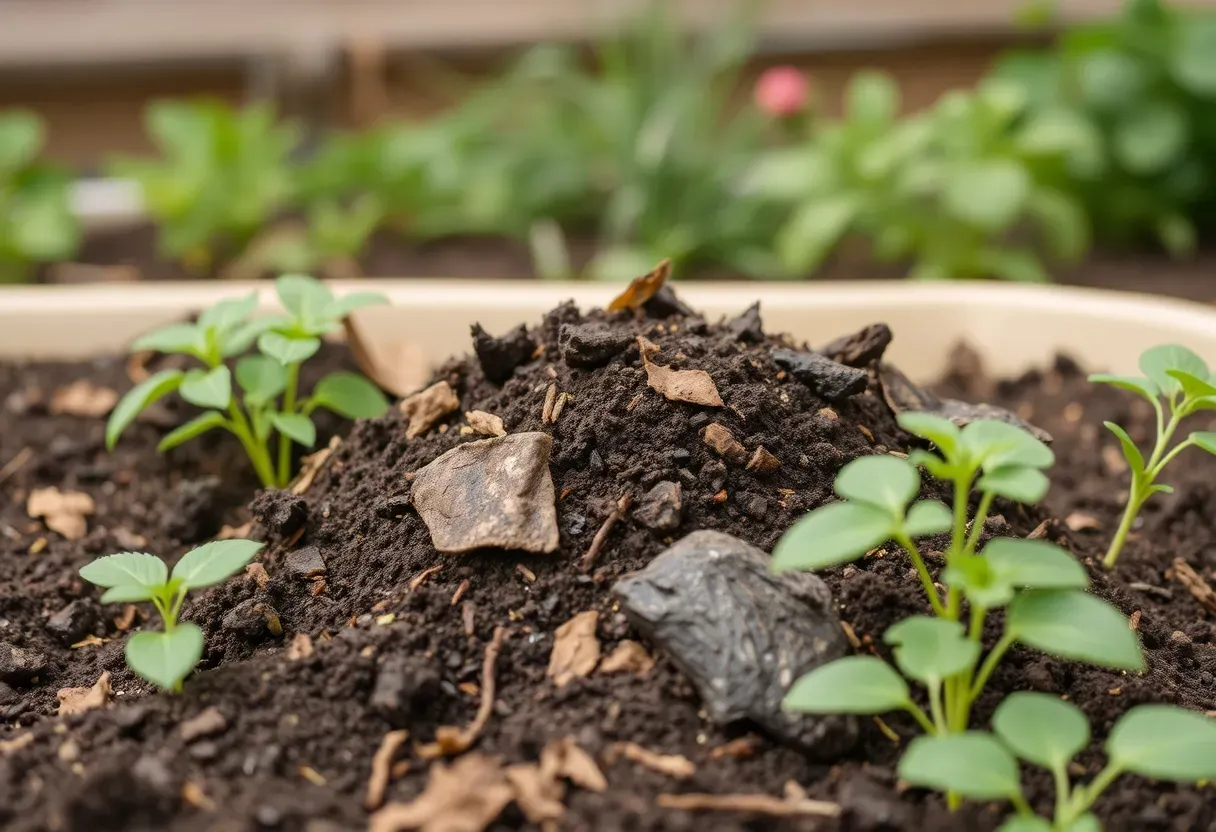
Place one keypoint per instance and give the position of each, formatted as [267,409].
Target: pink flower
[782,91]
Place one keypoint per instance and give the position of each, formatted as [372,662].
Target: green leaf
[261,377]
[852,685]
[931,649]
[185,339]
[1205,440]
[880,480]
[995,445]
[296,426]
[1062,221]
[1193,387]
[1151,138]
[21,136]
[1018,265]
[1140,386]
[1075,625]
[126,569]
[129,594]
[972,764]
[979,582]
[243,336]
[1025,823]
[990,195]
[927,517]
[305,297]
[137,399]
[350,395]
[1130,452]
[164,659]
[1034,564]
[931,462]
[1088,822]
[1014,482]
[213,562]
[1110,80]
[872,98]
[1165,743]
[941,432]
[205,421]
[831,535]
[1041,728]
[813,231]
[1193,57]
[1156,362]
[208,388]
[287,349]
[227,313]
[343,306]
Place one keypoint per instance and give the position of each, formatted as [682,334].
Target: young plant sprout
[1041,586]
[271,401]
[1156,741]
[1183,380]
[167,657]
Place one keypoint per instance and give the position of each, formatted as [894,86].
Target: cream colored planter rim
[1014,327]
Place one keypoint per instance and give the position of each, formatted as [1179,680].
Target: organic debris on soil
[355,625]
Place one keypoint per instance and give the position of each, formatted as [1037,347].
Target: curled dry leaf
[300,647]
[576,650]
[564,758]
[62,511]
[382,763]
[672,765]
[399,367]
[79,700]
[487,424]
[126,620]
[537,793]
[1079,521]
[642,289]
[310,466]
[628,657]
[693,386]
[426,407]
[464,797]
[83,398]
[257,573]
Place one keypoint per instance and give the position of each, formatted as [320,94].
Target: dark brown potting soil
[399,644]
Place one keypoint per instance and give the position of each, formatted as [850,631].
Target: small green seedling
[1182,378]
[270,381]
[1161,742]
[1041,586]
[167,657]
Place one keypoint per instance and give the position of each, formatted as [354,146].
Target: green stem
[977,525]
[1060,773]
[257,453]
[935,705]
[1168,458]
[922,570]
[1134,501]
[994,658]
[1019,803]
[1084,796]
[289,406]
[921,717]
[958,540]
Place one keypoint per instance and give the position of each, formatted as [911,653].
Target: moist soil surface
[399,631]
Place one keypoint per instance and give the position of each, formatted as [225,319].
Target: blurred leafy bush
[36,220]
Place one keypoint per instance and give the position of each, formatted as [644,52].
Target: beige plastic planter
[1015,327]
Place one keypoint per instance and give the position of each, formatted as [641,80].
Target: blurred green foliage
[36,221]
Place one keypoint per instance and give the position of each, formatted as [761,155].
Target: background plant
[167,657]
[1040,586]
[1161,742]
[1183,380]
[269,403]
[36,220]
[223,175]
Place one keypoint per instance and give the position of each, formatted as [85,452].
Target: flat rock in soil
[19,665]
[861,348]
[280,512]
[403,685]
[660,509]
[587,346]
[198,513]
[73,622]
[305,563]
[500,356]
[747,326]
[493,493]
[742,634]
[830,379]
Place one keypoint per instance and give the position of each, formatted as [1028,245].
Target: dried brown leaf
[399,367]
[257,573]
[672,765]
[300,647]
[537,793]
[126,619]
[642,289]
[1079,521]
[628,657]
[83,398]
[763,462]
[693,386]
[464,797]
[576,650]
[312,465]
[382,763]
[193,794]
[487,424]
[62,511]
[240,532]
[724,443]
[79,700]
[426,407]
[564,758]
[757,804]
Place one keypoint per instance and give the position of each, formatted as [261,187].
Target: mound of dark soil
[398,631]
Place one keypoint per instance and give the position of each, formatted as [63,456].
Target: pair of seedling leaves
[285,341]
[167,657]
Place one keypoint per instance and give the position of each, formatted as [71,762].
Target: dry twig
[597,543]
[760,804]
[382,764]
[1195,583]
[450,740]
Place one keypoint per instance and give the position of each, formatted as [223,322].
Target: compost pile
[529,674]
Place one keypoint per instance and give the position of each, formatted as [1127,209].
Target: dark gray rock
[197,512]
[250,618]
[589,345]
[280,512]
[860,349]
[713,473]
[500,356]
[305,563]
[830,379]
[20,665]
[742,634]
[748,326]
[666,303]
[660,509]
[404,683]
[495,493]
[74,622]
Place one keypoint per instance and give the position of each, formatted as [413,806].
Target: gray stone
[742,634]
[404,684]
[588,345]
[197,512]
[305,563]
[494,493]
[500,356]
[19,665]
[660,509]
[280,512]
[747,326]
[830,379]
[860,349]
[73,622]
